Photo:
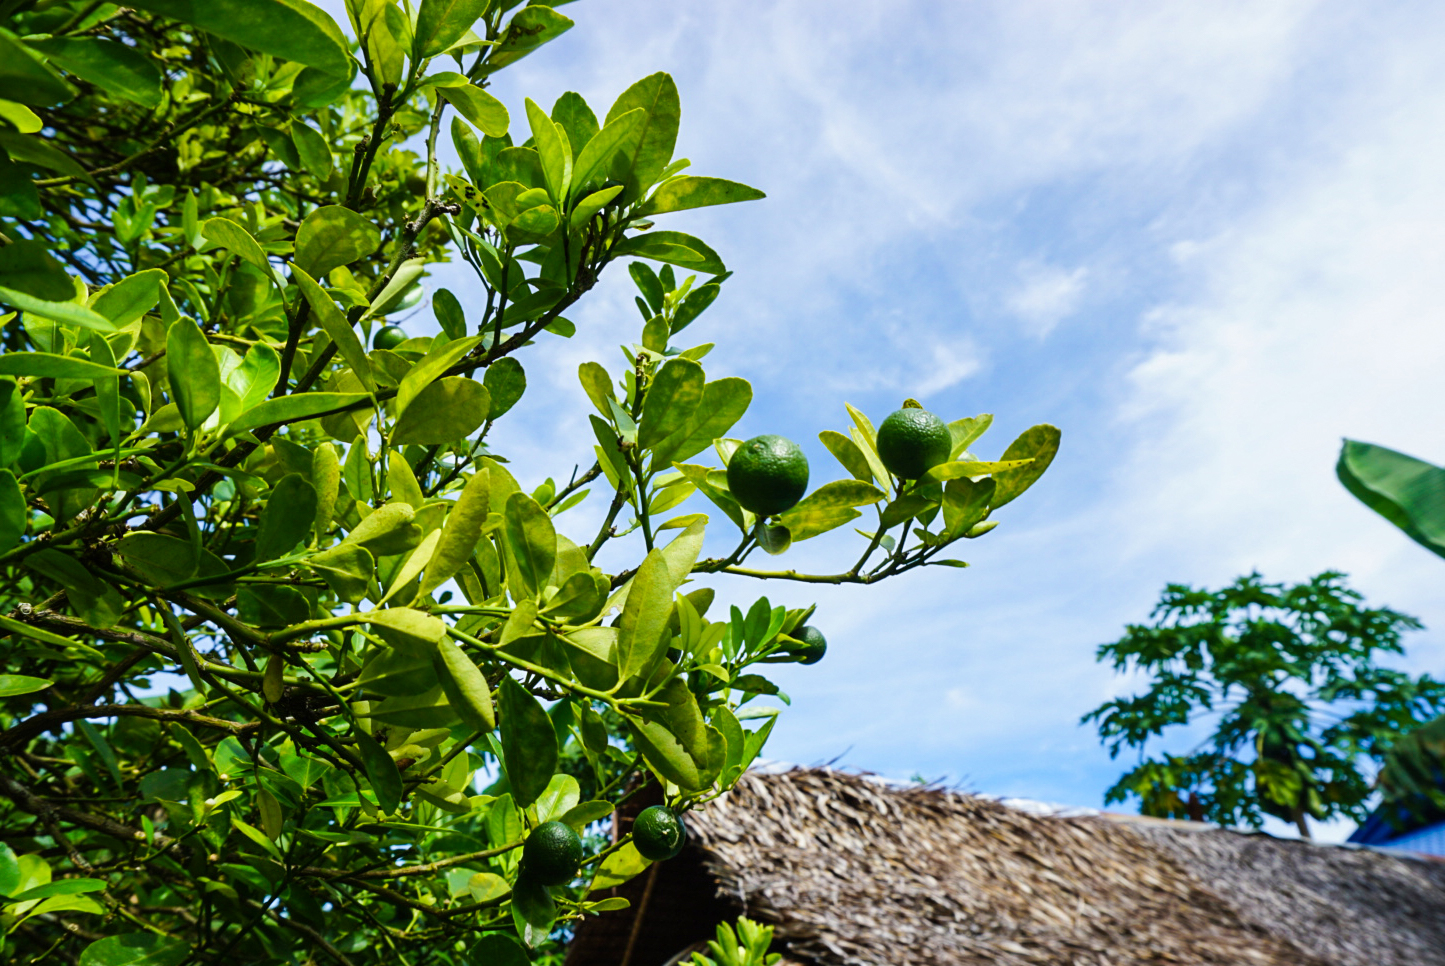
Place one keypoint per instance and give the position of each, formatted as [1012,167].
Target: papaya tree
[298,667]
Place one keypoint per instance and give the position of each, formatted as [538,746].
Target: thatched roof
[854,871]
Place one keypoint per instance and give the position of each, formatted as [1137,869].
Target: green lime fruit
[913,441]
[552,854]
[814,645]
[768,474]
[388,337]
[658,833]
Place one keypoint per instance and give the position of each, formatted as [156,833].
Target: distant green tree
[1300,707]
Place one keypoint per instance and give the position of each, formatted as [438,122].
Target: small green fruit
[658,833]
[913,441]
[552,854]
[814,645]
[768,474]
[388,337]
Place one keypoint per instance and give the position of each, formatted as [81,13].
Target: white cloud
[1046,295]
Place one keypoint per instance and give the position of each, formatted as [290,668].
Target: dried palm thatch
[852,871]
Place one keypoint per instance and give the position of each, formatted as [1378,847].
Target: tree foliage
[295,663]
[1287,680]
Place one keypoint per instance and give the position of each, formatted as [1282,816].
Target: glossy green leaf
[291,29]
[969,468]
[45,364]
[438,360]
[553,149]
[671,400]
[13,511]
[406,629]
[449,314]
[642,629]
[966,431]
[107,392]
[571,113]
[533,903]
[966,503]
[61,440]
[24,78]
[16,684]
[332,236]
[194,375]
[466,687]
[136,949]
[1408,492]
[529,743]
[392,674]
[227,234]
[381,772]
[131,297]
[532,541]
[311,148]
[387,531]
[724,402]
[460,535]
[286,518]
[29,267]
[847,453]
[347,570]
[402,482]
[529,29]
[679,194]
[1038,444]
[335,324]
[594,158]
[444,412]
[673,247]
[399,581]
[441,23]
[12,416]
[640,159]
[506,381]
[431,709]
[67,312]
[326,477]
[114,67]
[694,305]
[483,110]
[291,409]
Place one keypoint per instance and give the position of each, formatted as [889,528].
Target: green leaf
[1038,444]
[905,507]
[136,949]
[330,237]
[28,267]
[335,324]
[311,148]
[641,158]
[1408,492]
[679,194]
[476,105]
[847,453]
[694,305]
[113,67]
[13,511]
[227,234]
[595,157]
[532,541]
[286,518]
[562,793]
[15,684]
[968,468]
[291,29]
[131,297]
[724,402]
[194,374]
[381,772]
[533,903]
[529,743]
[621,866]
[506,381]
[347,570]
[387,531]
[444,412]
[10,873]
[441,23]
[966,503]
[256,376]
[47,365]
[450,315]
[67,312]
[642,634]
[673,247]
[24,78]
[466,687]
[438,360]
[459,537]
[60,887]
[965,431]
[554,151]
[407,630]
[671,400]
[571,113]
[291,409]
[528,30]
[391,673]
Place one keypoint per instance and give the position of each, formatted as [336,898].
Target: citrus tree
[297,669]
[1287,677]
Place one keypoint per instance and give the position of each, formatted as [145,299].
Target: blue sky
[1204,239]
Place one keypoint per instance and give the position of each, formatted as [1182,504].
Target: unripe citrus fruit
[768,474]
[658,833]
[388,337]
[913,441]
[815,645]
[552,853]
